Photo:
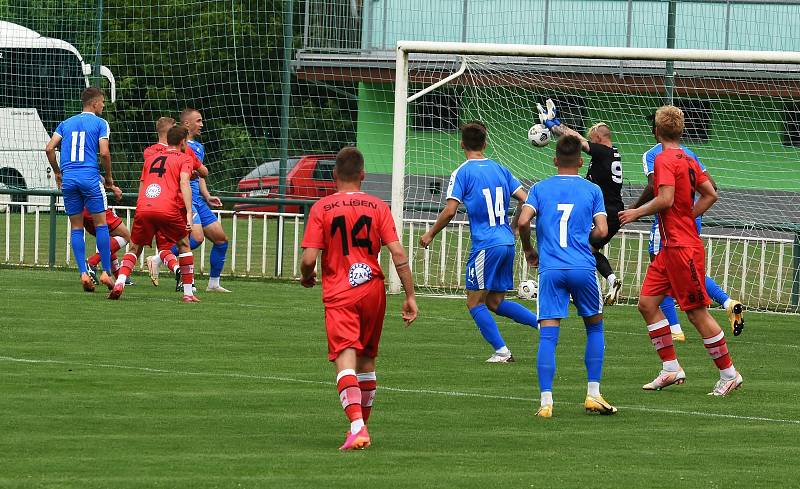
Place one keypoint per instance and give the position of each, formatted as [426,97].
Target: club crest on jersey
[360,273]
[153,190]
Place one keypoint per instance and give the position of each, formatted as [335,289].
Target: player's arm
[521,195]
[664,200]
[104,153]
[708,195]
[524,224]
[564,130]
[447,215]
[308,265]
[186,195]
[547,116]
[600,229]
[50,151]
[202,172]
[403,269]
[647,193]
[212,200]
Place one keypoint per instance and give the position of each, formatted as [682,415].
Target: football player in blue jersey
[569,211]
[485,188]
[734,308]
[83,142]
[205,221]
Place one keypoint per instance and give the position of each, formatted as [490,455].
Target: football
[528,289]
[538,135]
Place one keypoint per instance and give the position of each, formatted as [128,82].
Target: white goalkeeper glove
[548,116]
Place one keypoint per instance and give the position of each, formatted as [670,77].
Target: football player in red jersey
[167,257]
[349,228]
[163,211]
[679,269]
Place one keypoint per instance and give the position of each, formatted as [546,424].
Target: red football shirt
[161,182]
[673,167]
[350,228]
[161,147]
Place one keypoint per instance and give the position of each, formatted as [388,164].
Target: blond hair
[163,124]
[602,129]
[669,122]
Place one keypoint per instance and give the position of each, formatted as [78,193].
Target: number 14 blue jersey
[485,188]
[565,207]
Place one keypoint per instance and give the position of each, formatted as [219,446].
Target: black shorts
[613,228]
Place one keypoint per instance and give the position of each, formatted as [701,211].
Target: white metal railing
[262,244]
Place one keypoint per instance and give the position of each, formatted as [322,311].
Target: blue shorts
[491,269]
[201,212]
[83,189]
[556,286]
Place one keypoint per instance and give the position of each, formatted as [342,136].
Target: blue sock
[78,249]
[668,308]
[217,259]
[486,323]
[715,291]
[595,348]
[517,312]
[546,357]
[192,244]
[104,246]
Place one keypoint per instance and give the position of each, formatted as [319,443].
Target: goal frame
[401,96]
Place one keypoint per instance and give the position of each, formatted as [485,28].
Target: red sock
[117,242]
[718,349]
[662,340]
[128,263]
[349,394]
[367,383]
[186,261]
[169,259]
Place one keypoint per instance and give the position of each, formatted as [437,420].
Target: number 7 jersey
[350,228]
[565,207]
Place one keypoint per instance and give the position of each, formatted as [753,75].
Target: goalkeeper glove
[548,116]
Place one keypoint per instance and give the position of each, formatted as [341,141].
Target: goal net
[742,119]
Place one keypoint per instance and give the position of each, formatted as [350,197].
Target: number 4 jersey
[160,189]
[349,228]
[565,207]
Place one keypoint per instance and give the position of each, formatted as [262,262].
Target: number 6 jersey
[350,228]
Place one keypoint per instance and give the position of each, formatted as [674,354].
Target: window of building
[437,111]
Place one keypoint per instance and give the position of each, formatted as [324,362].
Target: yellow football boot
[598,405]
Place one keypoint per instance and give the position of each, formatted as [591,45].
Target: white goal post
[445,64]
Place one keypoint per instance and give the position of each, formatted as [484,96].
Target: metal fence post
[51,251]
[795,301]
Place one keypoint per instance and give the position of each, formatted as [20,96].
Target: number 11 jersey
[350,228]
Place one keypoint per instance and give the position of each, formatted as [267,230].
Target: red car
[308,177]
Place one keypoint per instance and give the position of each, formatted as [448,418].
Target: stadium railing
[763,271]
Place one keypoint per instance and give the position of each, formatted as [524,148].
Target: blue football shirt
[485,188]
[565,208]
[200,151]
[80,141]
[648,165]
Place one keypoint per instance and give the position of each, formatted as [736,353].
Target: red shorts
[679,272]
[357,325]
[168,229]
[112,220]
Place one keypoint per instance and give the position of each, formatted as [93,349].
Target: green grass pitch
[236,392]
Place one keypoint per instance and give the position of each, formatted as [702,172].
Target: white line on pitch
[385,388]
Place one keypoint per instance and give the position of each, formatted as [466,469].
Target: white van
[42,81]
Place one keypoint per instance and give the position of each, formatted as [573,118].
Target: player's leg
[553,303]
[73,206]
[476,304]
[97,204]
[667,307]
[186,264]
[128,264]
[656,285]
[343,327]
[613,283]
[195,240]
[585,292]
[734,308]
[219,249]
[120,236]
[717,348]
[372,312]
[502,280]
